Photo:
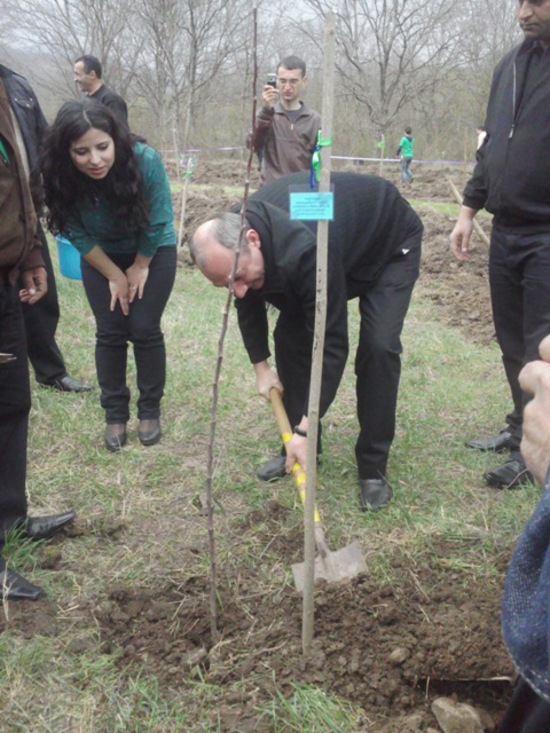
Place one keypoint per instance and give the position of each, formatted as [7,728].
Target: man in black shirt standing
[373,255]
[87,76]
[511,181]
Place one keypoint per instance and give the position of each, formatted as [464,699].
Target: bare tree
[185,45]
[392,52]
[69,29]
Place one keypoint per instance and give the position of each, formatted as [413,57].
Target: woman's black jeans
[141,327]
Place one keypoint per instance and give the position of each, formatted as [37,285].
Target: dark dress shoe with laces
[272,470]
[497,444]
[42,528]
[14,587]
[115,436]
[509,475]
[374,493]
[149,431]
[70,384]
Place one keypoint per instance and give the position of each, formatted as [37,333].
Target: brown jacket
[19,247]
[286,148]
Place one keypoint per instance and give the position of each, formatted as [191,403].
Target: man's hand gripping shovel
[332,566]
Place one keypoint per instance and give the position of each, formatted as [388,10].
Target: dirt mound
[387,648]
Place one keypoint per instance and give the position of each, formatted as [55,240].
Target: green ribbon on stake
[316,158]
[189,168]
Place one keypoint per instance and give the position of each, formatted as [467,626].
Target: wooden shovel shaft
[286,434]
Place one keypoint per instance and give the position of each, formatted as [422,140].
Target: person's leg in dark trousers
[112,336]
[519,273]
[293,347]
[383,308]
[507,303]
[526,713]
[146,334]
[293,360]
[15,404]
[41,321]
[141,326]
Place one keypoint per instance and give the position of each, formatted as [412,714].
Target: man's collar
[279,107]
[531,45]
[101,83]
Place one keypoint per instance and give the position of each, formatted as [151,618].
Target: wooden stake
[318,342]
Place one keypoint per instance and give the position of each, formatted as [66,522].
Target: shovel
[332,566]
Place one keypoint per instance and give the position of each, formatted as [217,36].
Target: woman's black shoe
[115,436]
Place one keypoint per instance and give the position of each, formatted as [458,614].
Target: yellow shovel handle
[286,435]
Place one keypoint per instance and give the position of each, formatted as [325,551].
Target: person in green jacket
[405,150]
[109,195]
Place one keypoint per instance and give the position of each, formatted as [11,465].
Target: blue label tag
[311,206]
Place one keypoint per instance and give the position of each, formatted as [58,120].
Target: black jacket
[372,221]
[511,177]
[25,105]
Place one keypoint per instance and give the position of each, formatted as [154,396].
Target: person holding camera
[286,128]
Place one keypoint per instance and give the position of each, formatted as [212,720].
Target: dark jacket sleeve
[475,191]
[253,324]
[119,108]
[264,123]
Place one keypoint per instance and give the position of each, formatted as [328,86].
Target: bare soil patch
[390,649]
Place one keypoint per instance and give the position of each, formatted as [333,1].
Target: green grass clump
[309,710]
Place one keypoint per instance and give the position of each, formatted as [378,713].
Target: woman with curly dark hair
[109,195]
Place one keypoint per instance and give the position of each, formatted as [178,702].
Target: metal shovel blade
[333,565]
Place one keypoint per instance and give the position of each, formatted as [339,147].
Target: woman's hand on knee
[118,285]
[137,277]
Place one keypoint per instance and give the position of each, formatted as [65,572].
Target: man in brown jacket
[20,256]
[286,128]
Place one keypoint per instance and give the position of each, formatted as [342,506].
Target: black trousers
[526,713]
[41,321]
[383,307]
[519,276]
[141,327]
[15,405]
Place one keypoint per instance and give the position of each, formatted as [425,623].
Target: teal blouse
[94,223]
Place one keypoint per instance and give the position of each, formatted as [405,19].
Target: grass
[308,709]
[146,499]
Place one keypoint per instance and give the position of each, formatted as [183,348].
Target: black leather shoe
[511,474]
[14,587]
[272,470]
[149,431]
[497,444]
[69,384]
[41,528]
[374,493]
[115,436]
